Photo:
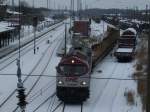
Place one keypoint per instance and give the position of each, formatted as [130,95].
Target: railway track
[70,108]
[104,95]
[5,62]
[50,97]
[118,86]
[23,80]
[27,78]
[38,93]
[57,106]
[38,78]
[64,107]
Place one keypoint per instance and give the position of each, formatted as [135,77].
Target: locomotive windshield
[73,69]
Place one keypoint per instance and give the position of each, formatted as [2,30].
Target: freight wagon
[126,45]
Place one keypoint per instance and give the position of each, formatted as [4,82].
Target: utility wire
[99,78]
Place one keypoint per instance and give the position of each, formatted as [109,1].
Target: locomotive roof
[78,53]
[130,30]
[75,53]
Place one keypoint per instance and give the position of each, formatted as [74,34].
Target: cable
[100,78]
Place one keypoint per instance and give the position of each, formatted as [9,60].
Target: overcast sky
[91,3]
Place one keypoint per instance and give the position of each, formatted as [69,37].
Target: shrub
[141,88]
[139,67]
[130,97]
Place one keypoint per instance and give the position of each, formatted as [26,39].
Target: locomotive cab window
[73,69]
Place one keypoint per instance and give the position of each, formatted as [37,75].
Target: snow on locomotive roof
[97,30]
[12,12]
[124,50]
[86,20]
[130,29]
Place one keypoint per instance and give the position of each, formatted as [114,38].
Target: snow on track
[106,98]
[14,81]
[106,95]
[72,108]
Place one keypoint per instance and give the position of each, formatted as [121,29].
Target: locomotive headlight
[72,61]
[60,82]
[84,83]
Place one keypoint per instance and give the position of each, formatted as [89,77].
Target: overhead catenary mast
[21,90]
[65,39]
[79,6]
[49,4]
[13,4]
[2,1]
[71,12]
[148,73]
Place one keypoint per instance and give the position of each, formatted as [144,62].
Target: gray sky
[92,3]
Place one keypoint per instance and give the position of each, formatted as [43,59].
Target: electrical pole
[65,39]
[47,4]
[72,10]
[33,4]
[146,13]
[78,7]
[21,90]
[148,75]
[13,4]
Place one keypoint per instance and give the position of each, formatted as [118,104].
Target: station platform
[25,40]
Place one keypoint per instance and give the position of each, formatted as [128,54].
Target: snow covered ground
[28,62]
[106,95]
